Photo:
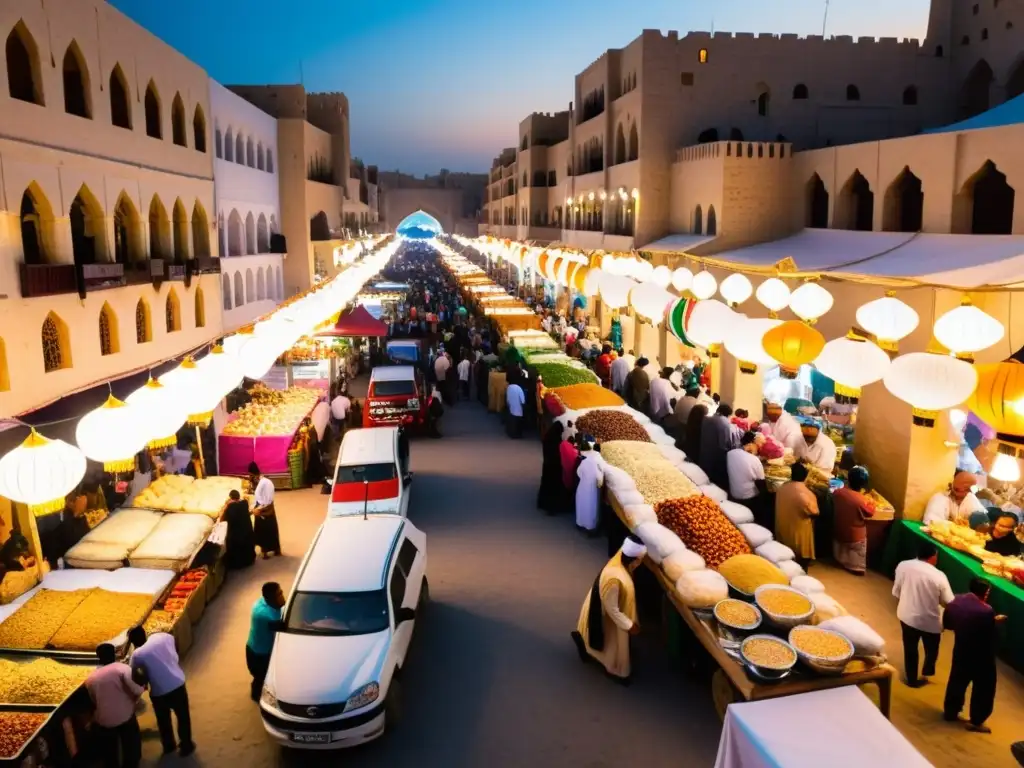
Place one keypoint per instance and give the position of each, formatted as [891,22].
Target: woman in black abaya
[551,494]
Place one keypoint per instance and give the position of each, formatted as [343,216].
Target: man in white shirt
[441,366]
[746,478]
[155,659]
[816,448]
[588,493]
[620,368]
[662,394]
[515,398]
[782,426]
[463,371]
[923,590]
[339,412]
[957,503]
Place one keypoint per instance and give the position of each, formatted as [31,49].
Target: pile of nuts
[611,425]
[703,527]
[43,681]
[101,617]
[35,622]
[15,729]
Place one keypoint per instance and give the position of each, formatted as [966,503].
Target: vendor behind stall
[782,426]
[1004,540]
[816,448]
[957,503]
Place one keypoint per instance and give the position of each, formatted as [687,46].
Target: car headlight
[365,695]
[268,697]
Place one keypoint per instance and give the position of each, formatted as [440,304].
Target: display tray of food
[965,539]
[173,543]
[19,727]
[40,681]
[584,394]
[181,493]
[263,430]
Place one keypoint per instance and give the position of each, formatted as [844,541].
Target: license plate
[311,738]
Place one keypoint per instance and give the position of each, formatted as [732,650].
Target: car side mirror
[407,478]
[404,614]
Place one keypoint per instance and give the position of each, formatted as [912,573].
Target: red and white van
[372,473]
[397,396]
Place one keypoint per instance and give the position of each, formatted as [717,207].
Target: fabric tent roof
[963,261]
[1008,113]
[356,322]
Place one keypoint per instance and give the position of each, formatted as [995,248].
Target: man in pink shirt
[114,695]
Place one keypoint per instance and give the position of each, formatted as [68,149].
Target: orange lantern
[578,276]
[792,344]
[998,400]
[542,264]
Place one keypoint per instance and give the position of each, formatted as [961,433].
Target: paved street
[494,679]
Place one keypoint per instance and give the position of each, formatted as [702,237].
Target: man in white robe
[957,503]
[816,448]
[621,366]
[782,426]
[588,492]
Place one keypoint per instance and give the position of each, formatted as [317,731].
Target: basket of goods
[767,656]
[586,394]
[191,589]
[703,527]
[42,681]
[785,607]
[160,621]
[17,730]
[745,573]
[296,468]
[823,650]
[612,425]
[736,619]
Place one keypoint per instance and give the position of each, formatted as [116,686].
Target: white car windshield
[338,613]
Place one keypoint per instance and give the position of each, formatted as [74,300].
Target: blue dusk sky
[444,83]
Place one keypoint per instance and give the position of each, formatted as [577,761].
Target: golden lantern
[998,400]
[542,263]
[579,277]
[792,344]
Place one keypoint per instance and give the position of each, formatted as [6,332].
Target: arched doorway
[319,227]
[620,145]
[975,94]
[985,204]
[817,203]
[127,232]
[856,207]
[698,221]
[36,218]
[904,204]
[419,224]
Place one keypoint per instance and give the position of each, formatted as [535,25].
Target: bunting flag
[679,319]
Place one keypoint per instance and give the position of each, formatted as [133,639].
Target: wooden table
[731,682]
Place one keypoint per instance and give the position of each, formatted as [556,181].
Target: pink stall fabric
[270,453]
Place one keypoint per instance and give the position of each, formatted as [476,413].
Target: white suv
[337,660]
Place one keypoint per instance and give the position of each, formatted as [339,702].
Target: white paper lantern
[682,279]
[967,329]
[112,434]
[662,276]
[744,342]
[1005,468]
[592,282]
[930,382]
[773,294]
[810,301]
[615,291]
[650,301]
[888,319]
[193,391]
[644,270]
[736,288]
[40,473]
[704,285]
[563,271]
[162,412]
[709,323]
[852,363]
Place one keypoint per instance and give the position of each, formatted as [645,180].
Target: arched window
[250,153]
[24,80]
[178,121]
[712,228]
[127,232]
[984,206]
[903,209]
[262,236]
[634,143]
[250,233]
[817,203]
[109,342]
[235,242]
[159,230]
[200,232]
[200,306]
[36,217]
[702,56]
[76,83]
[852,93]
[87,225]
[910,96]
[319,227]
[259,156]
[270,161]
[261,288]
[271,288]
[800,91]
[56,344]
[5,376]
[218,143]
[698,221]
[172,312]
[250,287]
[976,92]
[707,136]
[180,232]
[620,145]
[199,129]
[154,128]
[120,105]
[735,134]
[239,150]
[855,208]
[225,290]
[143,323]
[239,290]
[229,147]
[763,99]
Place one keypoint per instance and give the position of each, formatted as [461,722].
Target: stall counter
[270,452]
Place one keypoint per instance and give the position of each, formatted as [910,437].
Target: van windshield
[338,613]
[394,388]
[404,353]
[371,473]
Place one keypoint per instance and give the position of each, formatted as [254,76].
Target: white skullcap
[633,548]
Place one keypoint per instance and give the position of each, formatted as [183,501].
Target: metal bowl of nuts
[824,651]
[736,619]
[784,607]
[769,657]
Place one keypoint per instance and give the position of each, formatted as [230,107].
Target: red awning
[357,322]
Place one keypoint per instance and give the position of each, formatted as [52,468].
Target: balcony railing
[206,265]
[56,279]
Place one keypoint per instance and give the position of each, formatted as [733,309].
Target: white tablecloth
[836,728]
